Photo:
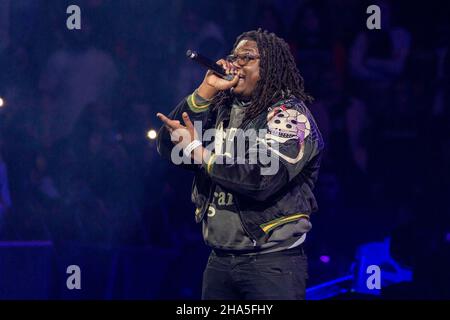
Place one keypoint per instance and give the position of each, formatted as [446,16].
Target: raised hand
[212,83]
[180,134]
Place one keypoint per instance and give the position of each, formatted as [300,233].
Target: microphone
[209,64]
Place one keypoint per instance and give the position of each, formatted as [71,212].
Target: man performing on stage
[254,220]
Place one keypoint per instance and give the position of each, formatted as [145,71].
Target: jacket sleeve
[198,110]
[290,141]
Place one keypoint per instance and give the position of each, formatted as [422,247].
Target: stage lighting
[151,134]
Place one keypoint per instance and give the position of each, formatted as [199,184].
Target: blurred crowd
[76,163]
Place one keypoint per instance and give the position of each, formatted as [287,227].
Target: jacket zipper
[235,200]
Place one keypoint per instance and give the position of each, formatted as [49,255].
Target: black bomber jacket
[264,201]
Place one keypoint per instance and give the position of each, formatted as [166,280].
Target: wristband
[190,147]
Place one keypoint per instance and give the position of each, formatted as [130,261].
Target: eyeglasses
[241,59]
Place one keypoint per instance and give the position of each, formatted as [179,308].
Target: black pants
[276,276]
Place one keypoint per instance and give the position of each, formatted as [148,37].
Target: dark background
[86,186]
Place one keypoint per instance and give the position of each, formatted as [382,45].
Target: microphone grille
[191,54]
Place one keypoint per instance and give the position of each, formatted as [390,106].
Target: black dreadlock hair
[279,76]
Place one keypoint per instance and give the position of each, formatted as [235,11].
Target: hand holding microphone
[216,78]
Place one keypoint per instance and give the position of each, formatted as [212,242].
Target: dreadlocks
[279,76]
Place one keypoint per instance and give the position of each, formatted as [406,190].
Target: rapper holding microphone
[254,219]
